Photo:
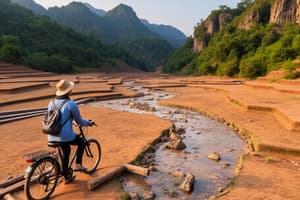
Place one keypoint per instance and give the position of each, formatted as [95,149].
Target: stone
[164,139]
[214,156]
[172,193]
[166,112]
[179,131]
[148,195]
[174,136]
[177,112]
[176,144]
[230,150]
[153,169]
[178,174]
[134,196]
[183,120]
[139,94]
[132,104]
[225,165]
[151,109]
[212,198]
[188,183]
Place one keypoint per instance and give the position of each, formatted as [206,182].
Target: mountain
[248,41]
[118,26]
[98,12]
[122,27]
[126,24]
[174,36]
[31,5]
[80,18]
[43,44]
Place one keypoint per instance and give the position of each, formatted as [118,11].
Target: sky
[182,14]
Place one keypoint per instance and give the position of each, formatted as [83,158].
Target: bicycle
[41,177]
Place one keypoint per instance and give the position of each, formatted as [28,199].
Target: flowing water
[202,136]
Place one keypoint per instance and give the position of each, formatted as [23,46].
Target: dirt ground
[264,111]
[122,136]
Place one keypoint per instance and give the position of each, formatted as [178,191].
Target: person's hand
[92,123]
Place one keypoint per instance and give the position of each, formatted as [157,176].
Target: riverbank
[272,171]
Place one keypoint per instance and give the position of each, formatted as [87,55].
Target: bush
[205,68]
[10,39]
[52,63]
[270,38]
[11,53]
[253,67]
[289,70]
[296,43]
[229,68]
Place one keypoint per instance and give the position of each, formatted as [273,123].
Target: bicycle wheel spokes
[42,179]
[91,156]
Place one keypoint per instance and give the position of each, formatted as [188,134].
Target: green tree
[11,53]
[53,63]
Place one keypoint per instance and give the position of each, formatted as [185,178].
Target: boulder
[188,183]
[214,156]
[176,144]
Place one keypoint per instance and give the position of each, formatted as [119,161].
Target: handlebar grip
[93,124]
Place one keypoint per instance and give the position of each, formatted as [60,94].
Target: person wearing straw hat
[66,137]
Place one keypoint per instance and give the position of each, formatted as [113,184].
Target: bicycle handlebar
[80,126]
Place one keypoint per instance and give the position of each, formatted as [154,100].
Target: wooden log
[96,182]
[11,180]
[137,170]
[9,197]
[12,188]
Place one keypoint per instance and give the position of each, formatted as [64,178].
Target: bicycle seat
[54,144]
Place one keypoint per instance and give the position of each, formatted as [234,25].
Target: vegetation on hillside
[180,59]
[119,26]
[246,53]
[43,44]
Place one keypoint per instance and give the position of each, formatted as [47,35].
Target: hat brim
[61,93]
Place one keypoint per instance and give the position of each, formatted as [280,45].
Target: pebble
[148,195]
[214,156]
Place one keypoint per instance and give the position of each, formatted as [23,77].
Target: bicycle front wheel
[41,179]
[91,156]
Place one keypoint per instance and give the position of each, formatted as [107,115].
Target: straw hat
[63,87]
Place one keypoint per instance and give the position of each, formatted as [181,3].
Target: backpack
[51,122]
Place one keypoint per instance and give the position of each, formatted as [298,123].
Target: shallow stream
[202,136]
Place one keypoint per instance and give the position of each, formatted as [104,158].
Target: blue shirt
[68,112]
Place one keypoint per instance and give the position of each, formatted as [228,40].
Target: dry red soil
[264,111]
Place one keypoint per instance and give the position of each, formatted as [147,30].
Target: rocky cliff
[209,27]
[284,11]
[249,20]
[279,12]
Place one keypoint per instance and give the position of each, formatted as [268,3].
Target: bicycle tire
[41,179]
[91,156]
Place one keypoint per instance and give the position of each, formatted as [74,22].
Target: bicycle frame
[59,156]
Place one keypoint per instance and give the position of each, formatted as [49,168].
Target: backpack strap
[59,107]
